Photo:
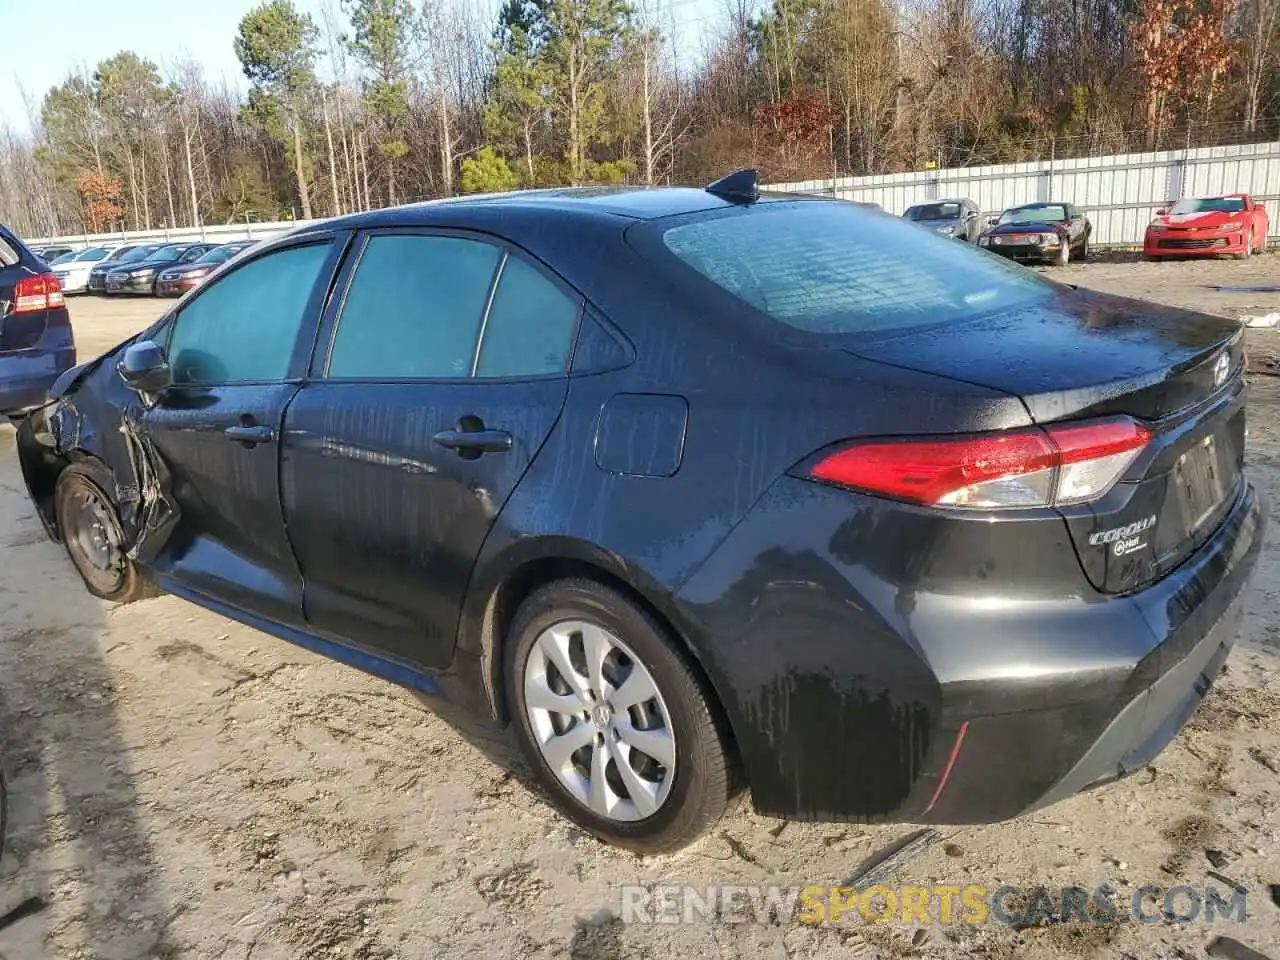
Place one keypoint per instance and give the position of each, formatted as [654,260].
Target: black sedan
[130,256]
[140,276]
[1040,233]
[695,489]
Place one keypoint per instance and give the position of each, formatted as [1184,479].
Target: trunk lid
[1084,354]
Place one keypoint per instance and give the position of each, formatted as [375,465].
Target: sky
[43,46]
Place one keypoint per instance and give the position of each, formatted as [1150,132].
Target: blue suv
[36,343]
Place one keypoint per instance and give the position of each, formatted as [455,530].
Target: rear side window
[243,327]
[530,327]
[426,308]
[833,268]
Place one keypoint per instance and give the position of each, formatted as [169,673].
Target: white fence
[1120,194]
[220,233]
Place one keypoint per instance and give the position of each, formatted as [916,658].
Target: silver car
[953,218]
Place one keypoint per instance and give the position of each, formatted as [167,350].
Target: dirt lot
[183,786]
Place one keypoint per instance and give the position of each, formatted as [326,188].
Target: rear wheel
[89,524]
[617,728]
[1084,249]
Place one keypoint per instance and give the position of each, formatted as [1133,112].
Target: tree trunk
[648,119]
[333,166]
[168,189]
[362,158]
[146,200]
[297,166]
[528,146]
[446,145]
[191,179]
[575,157]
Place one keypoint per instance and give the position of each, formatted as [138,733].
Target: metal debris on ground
[880,864]
[1249,288]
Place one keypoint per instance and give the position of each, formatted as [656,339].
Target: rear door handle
[250,435]
[474,442]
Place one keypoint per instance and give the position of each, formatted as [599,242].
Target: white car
[72,270]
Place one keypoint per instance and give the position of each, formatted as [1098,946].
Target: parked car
[72,270]
[1040,232]
[176,281]
[1208,226]
[36,343]
[50,254]
[140,277]
[960,219]
[97,282]
[692,487]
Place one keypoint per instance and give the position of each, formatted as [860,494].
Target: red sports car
[1208,226]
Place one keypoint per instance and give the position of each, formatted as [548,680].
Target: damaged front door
[236,354]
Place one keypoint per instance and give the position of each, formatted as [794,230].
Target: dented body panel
[861,650]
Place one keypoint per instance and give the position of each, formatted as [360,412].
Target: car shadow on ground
[77,870]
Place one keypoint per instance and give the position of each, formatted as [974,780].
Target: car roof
[612,203]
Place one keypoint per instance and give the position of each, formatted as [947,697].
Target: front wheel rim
[94,537]
[599,721]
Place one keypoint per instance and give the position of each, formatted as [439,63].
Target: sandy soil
[186,787]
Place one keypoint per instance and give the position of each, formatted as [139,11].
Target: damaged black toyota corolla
[698,489]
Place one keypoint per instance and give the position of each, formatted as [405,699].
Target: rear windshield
[138,253]
[171,252]
[935,211]
[92,255]
[1209,205]
[833,268]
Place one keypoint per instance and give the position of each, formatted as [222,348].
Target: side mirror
[144,367]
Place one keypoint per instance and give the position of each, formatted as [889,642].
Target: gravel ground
[183,786]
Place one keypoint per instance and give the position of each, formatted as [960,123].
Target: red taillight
[37,293]
[1057,465]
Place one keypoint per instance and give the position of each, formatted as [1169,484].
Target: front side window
[426,308]
[832,268]
[242,328]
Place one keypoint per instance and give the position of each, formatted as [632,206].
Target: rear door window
[833,268]
[426,307]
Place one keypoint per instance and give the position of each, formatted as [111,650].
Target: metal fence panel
[1120,193]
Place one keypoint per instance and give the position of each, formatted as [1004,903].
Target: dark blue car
[36,343]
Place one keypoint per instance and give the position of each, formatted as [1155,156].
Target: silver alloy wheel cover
[597,715]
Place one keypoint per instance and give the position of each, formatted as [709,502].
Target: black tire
[1084,249]
[1064,255]
[705,775]
[1248,247]
[89,525]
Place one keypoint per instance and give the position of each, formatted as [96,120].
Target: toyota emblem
[1220,369]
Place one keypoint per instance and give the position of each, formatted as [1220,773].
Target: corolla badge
[1124,539]
[1220,368]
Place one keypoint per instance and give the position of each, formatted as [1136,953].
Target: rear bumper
[854,698]
[27,375]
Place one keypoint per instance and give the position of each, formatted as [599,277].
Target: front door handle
[471,443]
[250,434]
